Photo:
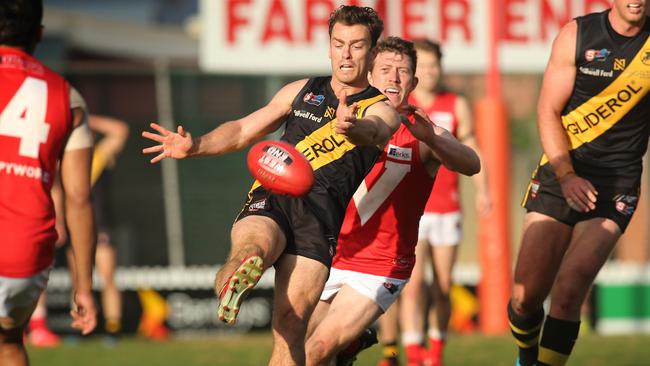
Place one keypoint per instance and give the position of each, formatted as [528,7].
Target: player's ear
[370,78]
[415,82]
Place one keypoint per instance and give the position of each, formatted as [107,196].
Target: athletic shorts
[18,296]
[544,195]
[306,236]
[441,229]
[382,290]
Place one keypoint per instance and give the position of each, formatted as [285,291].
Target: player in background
[592,117]
[440,227]
[114,134]
[341,125]
[41,126]
[376,249]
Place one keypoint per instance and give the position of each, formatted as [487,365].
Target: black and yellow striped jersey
[339,166]
[607,117]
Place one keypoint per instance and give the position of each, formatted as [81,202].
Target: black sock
[558,339]
[526,332]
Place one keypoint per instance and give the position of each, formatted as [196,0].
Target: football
[280,168]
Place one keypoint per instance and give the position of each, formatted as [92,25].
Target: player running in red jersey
[376,249]
[41,125]
[440,226]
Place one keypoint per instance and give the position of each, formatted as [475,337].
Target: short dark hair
[352,15]
[399,46]
[429,46]
[20,22]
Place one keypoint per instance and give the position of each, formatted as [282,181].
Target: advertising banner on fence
[291,36]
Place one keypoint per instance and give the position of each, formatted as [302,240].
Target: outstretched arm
[229,136]
[374,128]
[442,144]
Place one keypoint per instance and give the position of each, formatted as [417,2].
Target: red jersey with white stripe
[35,122]
[380,227]
[444,197]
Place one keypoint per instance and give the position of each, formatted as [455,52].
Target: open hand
[422,127]
[345,116]
[172,145]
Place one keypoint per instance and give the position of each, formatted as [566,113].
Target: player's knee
[522,306]
[317,349]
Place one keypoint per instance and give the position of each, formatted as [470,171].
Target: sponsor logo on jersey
[625,204]
[603,111]
[619,64]
[646,57]
[597,55]
[596,72]
[534,187]
[391,287]
[326,145]
[399,153]
[307,115]
[330,113]
[256,206]
[313,99]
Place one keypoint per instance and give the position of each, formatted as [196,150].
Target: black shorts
[544,195]
[305,234]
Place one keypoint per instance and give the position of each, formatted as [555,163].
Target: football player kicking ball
[376,248]
[298,235]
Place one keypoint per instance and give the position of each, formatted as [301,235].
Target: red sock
[414,353]
[37,323]
[436,347]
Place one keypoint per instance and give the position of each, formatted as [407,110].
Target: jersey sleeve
[81,136]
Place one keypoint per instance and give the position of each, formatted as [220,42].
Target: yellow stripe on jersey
[323,145]
[600,113]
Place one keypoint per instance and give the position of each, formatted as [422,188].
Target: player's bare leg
[12,349]
[105,263]
[388,333]
[319,313]
[257,242]
[591,244]
[299,282]
[349,315]
[544,243]
[444,257]
[412,307]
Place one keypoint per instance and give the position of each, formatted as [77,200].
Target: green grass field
[254,349]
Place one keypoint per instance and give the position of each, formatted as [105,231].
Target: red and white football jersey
[380,229]
[444,197]
[35,122]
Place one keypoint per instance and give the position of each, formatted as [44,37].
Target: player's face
[393,75]
[428,71]
[349,52]
[631,11]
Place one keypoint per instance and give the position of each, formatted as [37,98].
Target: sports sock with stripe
[526,331]
[558,338]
